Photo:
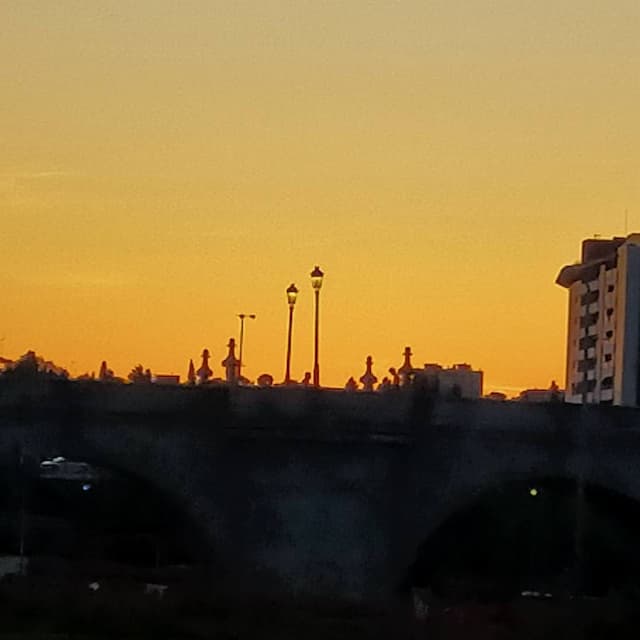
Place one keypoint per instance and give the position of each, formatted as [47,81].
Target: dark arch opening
[93,518]
[542,535]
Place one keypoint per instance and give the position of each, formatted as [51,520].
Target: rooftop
[595,253]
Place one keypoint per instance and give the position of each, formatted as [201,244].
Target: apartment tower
[603,337]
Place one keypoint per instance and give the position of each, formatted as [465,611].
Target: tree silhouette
[139,375]
[31,365]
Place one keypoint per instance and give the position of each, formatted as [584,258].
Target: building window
[609,312]
[609,334]
[610,288]
[607,357]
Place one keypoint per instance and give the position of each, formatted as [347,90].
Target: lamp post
[316,283]
[242,316]
[292,294]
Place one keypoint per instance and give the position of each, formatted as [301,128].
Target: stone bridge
[304,491]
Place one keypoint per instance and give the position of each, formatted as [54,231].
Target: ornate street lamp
[292,294]
[242,316]
[316,283]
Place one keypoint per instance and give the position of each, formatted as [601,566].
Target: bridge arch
[163,458]
[111,518]
[531,531]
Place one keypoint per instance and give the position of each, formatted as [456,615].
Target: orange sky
[168,165]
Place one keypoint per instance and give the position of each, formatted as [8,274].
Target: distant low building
[497,396]
[458,381]
[552,394]
[163,378]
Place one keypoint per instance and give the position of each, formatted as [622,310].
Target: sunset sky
[165,166]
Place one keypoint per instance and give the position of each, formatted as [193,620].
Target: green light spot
[533,492]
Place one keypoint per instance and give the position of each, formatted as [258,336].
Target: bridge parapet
[552,417]
[308,408]
[288,409]
[487,415]
[55,398]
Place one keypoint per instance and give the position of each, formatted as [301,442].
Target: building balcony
[585,386]
[586,365]
[589,298]
[589,320]
[587,342]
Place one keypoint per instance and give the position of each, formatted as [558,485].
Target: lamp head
[292,294]
[316,278]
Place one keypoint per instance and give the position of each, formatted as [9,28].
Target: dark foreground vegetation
[30,610]
[39,610]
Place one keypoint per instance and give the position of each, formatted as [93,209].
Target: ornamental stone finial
[406,371]
[230,363]
[204,372]
[368,379]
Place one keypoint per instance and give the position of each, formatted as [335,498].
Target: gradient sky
[167,165]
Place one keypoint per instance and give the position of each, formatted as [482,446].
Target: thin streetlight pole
[316,283]
[287,375]
[292,294]
[316,361]
[242,316]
